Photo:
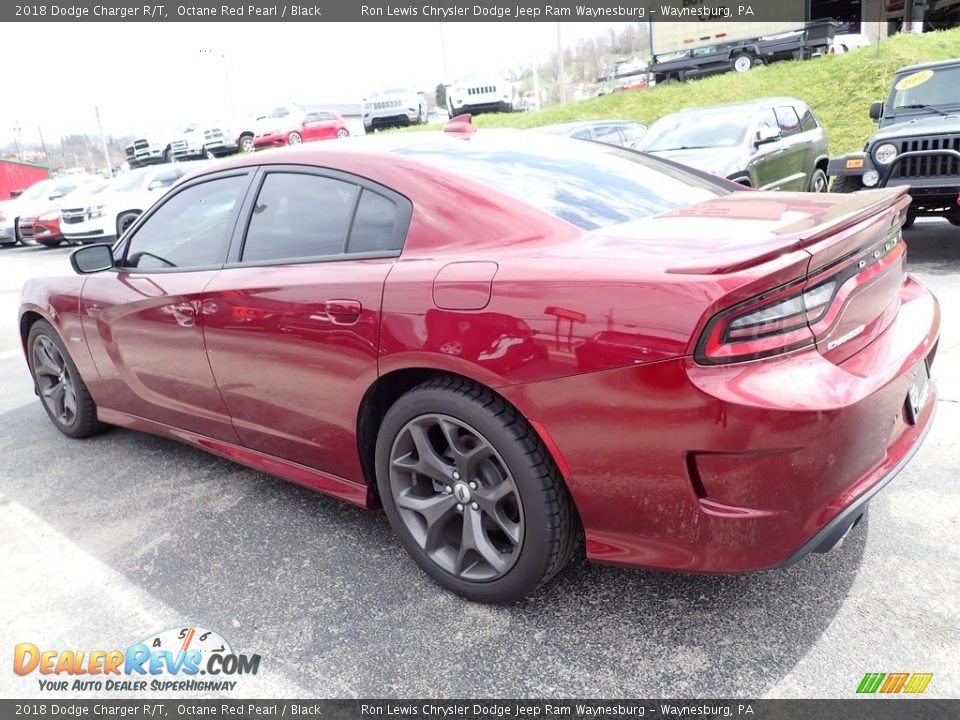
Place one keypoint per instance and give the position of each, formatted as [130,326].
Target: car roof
[584,123]
[747,104]
[387,144]
[929,65]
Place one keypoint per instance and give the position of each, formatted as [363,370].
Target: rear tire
[472,493]
[62,391]
[846,184]
[50,243]
[246,143]
[742,62]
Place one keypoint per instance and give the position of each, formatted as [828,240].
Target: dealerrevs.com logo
[169,661]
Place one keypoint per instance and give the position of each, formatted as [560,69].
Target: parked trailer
[683,51]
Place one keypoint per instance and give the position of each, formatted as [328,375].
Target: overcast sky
[155,75]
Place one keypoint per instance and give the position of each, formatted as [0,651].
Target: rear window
[589,185]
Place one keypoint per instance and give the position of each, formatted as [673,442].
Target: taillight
[793,316]
[770,324]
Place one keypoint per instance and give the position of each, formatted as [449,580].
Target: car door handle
[343,312]
[185,309]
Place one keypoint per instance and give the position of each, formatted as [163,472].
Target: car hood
[920,125]
[138,198]
[28,208]
[722,161]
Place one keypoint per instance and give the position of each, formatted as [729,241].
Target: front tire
[62,391]
[294,139]
[846,184]
[246,143]
[472,493]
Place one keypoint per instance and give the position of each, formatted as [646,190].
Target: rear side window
[788,120]
[609,134]
[299,216]
[585,134]
[587,184]
[807,120]
[374,225]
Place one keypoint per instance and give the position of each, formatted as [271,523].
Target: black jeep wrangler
[917,144]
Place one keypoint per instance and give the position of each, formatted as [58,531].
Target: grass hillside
[839,88]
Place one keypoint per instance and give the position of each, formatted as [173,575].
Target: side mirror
[768,135]
[92,259]
[876,109]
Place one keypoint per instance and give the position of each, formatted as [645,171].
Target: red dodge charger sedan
[512,343]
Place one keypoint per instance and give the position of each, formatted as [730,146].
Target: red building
[16,176]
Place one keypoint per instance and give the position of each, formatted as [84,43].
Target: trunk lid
[852,241]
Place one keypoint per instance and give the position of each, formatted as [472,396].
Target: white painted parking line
[65,579]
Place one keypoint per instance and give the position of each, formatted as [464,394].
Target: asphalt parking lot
[107,540]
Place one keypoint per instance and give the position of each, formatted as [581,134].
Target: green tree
[441,94]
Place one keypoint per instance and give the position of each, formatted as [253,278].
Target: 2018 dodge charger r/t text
[512,342]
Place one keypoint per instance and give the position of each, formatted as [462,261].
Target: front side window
[191,229]
[299,216]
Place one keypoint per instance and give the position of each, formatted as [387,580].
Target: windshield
[927,87]
[37,190]
[715,127]
[130,182]
[587,184]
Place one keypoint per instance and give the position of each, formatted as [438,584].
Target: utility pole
[16,136]
[46,157]
[103,141]
[562,70]
[443,52]
[536,79]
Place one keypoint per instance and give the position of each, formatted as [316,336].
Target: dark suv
[917,144]
[769,144]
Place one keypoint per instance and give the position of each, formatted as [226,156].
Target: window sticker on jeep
[914,79]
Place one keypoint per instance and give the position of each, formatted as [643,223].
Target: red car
[44,229]
[299,128]
[510,342]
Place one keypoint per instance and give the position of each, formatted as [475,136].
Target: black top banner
[759,11]
[866,709]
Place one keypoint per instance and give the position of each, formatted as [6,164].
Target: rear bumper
[831,534]
[736,468]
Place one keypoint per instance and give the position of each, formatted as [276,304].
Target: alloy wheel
[54,380]
[294,139]
[456,497]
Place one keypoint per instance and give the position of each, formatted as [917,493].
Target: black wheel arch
[386,390]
